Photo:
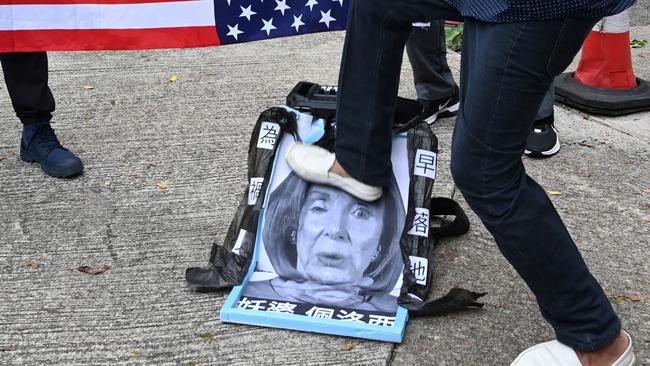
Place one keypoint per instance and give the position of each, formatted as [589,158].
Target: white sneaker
[312,163]
[554,353]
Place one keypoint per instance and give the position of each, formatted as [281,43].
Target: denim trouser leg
[369,79]
[506,71]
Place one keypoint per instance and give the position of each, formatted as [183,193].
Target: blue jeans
[506,70]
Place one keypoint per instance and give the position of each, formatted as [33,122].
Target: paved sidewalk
[134,128]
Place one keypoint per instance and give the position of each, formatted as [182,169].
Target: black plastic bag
[229,263]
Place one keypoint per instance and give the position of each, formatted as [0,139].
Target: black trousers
[427,51]
[26,75]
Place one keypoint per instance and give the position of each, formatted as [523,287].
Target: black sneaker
[542,141]
[439,108]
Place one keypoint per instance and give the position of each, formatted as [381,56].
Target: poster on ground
[325,261]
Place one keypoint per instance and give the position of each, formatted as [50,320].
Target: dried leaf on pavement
[619,299]
[586,145]
[136,353]
[94,271]
[633,297]
[162,185]
[208,337]
[554,193]
[88,87]
[7,348]
[348,346]
[2,158]
[173,78]
[646,190]
[32,264]
[628,162]
[499,306]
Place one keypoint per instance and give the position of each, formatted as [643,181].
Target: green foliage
[454,37]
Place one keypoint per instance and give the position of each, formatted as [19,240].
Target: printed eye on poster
[325,261]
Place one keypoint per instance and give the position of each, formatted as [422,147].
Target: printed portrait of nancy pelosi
[331,249]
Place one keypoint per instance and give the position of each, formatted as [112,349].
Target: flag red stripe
[107,39]
[78,2]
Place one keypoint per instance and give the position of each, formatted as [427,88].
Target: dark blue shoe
[40,145]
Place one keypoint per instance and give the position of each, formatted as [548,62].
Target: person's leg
[427,53]
[26,76]
[434,83]
[543,141]
[512,66]
[506,71]
[546,109]
[369,79]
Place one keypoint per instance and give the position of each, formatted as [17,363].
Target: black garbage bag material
[415,292]
[230,262]
[456,299]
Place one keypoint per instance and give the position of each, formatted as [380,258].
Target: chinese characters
[420,222]
[269,133]
[318,312]
[425,164]
[254,190]
[419,267]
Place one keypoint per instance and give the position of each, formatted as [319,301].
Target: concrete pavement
[134,128]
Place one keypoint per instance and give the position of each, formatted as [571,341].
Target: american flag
[252,20]
[67,25]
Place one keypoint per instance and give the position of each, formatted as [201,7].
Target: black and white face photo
[330,248]
[338,236]
[323,247]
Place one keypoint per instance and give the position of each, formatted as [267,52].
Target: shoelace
[46,137]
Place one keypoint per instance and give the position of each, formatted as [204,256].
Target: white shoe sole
[432,118]
[318,172]
[554,150]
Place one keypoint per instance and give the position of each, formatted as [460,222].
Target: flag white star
[228,2]
[268,26]
[311,4]
[326,18]
[234,31]
[282,6]
[246,12]
[297,22]
[336,1]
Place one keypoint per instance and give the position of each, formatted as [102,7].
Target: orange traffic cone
[604,82]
